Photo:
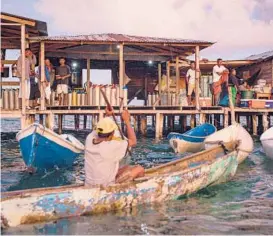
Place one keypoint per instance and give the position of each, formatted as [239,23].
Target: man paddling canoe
[103,151]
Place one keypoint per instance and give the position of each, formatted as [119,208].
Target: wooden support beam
[255,124]
[265,121]
[60,124]
[168,82]
[49,121]
[42,64]
[177,75]
[88,80]
[192,121]
[159,79]
[121,70]
[197,75]
[143,125]
[226,118]
[41,119]
[202,118]
[18,20]
[23,78]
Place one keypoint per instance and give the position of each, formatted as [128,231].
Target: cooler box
[269,104]
[244,103]
[257,103]
[205,102]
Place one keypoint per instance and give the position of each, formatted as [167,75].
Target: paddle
[113,115]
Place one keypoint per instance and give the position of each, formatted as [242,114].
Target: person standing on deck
[104,151]
[218,71]
[190,79]
[49,73]
[63,73]
[30,62]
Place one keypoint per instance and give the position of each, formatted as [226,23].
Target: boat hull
[233,133]
[55,203]
[192,140]
[267,142]
[43,149]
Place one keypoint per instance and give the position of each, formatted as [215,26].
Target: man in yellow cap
[103,150]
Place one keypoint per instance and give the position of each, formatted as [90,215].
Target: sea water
[244,205]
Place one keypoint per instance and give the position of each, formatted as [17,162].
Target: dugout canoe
[162,183]
[192,140]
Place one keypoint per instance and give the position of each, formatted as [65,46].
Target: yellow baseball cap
[105,126]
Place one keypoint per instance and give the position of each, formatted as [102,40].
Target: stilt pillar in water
[84,121]
[77,122]
[30,119]
[226,118]
[192,121]
[60,124]
[255,124]
[143,125]
[159,125]
[41,119]
[135,123]
[237,118]
[49,121]
[202,118]
[265,121]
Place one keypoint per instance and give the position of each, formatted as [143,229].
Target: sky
[240,28]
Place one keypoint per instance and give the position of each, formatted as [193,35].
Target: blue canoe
[192,140]
[43,149]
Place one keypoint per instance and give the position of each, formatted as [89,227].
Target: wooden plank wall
[266,70]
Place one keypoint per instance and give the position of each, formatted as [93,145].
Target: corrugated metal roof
[261,56]
[119,38]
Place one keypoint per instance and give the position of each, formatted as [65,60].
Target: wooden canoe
[159,184]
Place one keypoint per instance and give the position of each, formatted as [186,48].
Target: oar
[111,109]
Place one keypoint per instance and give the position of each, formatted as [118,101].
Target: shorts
[191,88]
[62,88]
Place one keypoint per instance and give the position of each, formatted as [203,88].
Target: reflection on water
[241,206]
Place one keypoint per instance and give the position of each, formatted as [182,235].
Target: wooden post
[197,75]
[121,71]
[168,83]
[255,124]
[23,79]
[60,124]
[145,90]
[177,74]
[192,121]
[265,121]
[226,118]
[143,125]
[159,79]
[88,80]
[49,121]
[42,63]
[159,125]
[202,118]
[84,121]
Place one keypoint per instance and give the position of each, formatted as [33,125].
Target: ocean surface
[242,206]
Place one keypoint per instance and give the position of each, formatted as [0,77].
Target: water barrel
[16,99]
[78,98]
[118,95]
[74,98]
[70,99]
[173,97]
[11,99]
[149,101]
[108,92]
[125,96]
[102,101]
[96,95]
[6,99]
[83,95]
[247,94]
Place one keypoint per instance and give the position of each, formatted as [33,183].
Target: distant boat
[43,149]
[162,183]
[236,134]
[192,140]
[267,142]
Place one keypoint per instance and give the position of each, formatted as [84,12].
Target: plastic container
[78,99]
[113,99]
[247,94]
[257,103]
[96,95]
[269,104]
[74,98]
[244,103]
[125,96]
[6,99]
[149,100]
[11,99]
[16,99]
[70,99]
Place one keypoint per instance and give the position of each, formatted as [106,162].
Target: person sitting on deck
[63,73]
[104,151]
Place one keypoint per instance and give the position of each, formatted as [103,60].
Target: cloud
[240,27]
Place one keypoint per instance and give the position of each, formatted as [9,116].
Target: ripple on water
[241,206]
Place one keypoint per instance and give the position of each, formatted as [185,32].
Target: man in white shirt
[103,151]
[218,71]
[190,79]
